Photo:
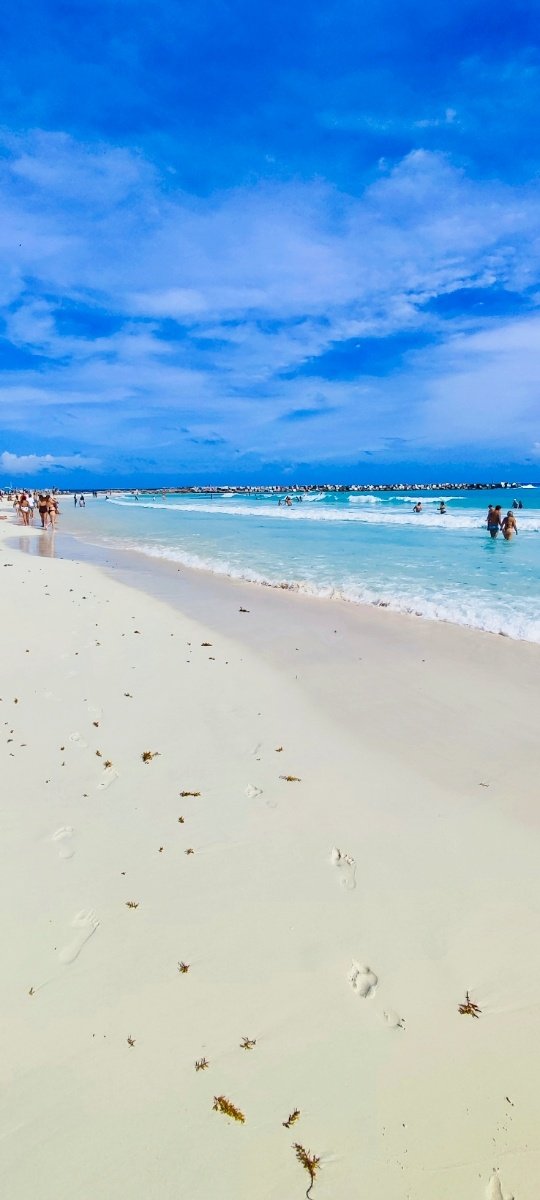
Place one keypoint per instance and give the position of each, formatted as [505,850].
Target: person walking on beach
[75,499]
[494,520]
[24,509]
[42,510]
[52,509]
[82,502]
[509,525]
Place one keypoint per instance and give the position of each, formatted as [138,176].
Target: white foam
[297,512]
[459,608]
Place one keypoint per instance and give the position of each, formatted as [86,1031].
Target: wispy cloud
[39,465]
[217,317]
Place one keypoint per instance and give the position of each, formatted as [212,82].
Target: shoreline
[143,565]
[397,731]
[279,624]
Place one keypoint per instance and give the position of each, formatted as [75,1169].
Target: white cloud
[262,279]
[41,464]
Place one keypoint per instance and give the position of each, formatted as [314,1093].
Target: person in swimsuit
[42,510]
[24,509]
[509,525]
[52,510]
[494,520]
[418,507]
[442,508]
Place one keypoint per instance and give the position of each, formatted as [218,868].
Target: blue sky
[245,244]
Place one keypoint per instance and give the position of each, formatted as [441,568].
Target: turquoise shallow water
[362,548]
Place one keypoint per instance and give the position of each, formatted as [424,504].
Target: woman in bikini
[52,509]
[24,509]
[509,526]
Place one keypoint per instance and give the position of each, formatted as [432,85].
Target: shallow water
[363,548]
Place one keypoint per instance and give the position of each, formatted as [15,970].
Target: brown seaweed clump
[222,1105]
[469,1008]
[310,1163]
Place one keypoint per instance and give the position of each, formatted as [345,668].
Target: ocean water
[367,549]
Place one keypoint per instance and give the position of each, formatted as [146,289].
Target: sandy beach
[262,857]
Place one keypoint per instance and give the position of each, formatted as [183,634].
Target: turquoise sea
[364,548]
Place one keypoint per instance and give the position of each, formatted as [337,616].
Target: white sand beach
[335,919]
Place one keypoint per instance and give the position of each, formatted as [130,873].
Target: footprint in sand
[252,792]
[78,740]
[494,1190]
[347,867]
[109,776]
[63,838]
[393,1019]
[362,980]
[85,923]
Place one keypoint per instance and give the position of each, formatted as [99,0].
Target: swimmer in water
[442,508]
[418,507]
[509,525]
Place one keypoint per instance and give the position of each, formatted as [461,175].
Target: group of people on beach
[26,503]
[507,524]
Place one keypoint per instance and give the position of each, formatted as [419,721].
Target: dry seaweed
[189,850]
[132,903]
[309,1161]
[183,968]
[291,778]
[469,1008]
[201,1064]
[184,794]
[148,755]
[222,1105]
[130,1041]
[248,1043]
[107,764]
[291,1119]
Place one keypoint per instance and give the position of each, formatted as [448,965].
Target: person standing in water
[509,525]
[494,520]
